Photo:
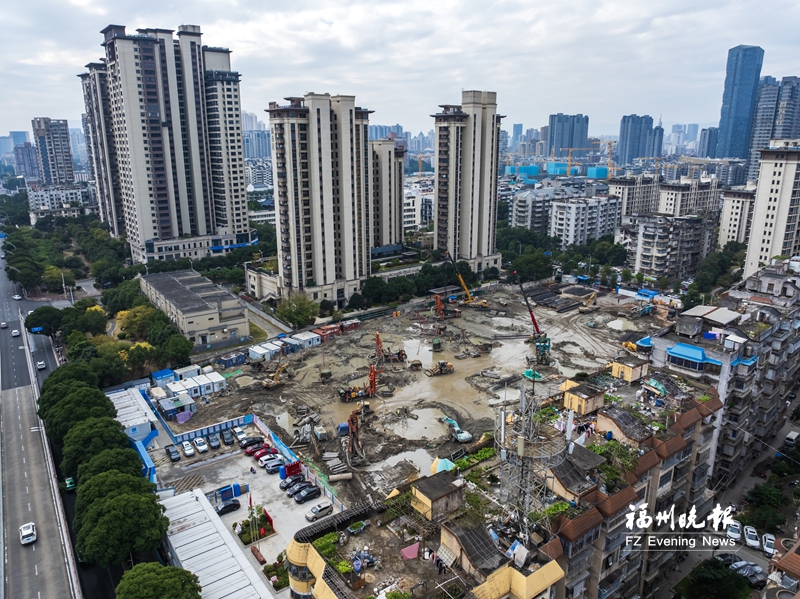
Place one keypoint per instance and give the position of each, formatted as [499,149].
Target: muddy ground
[398,447]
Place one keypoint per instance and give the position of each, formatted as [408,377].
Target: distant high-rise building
[638,138]
[568,131]
[776,221]
[739,101]
[467,147]
[6,144]
[256,144]
[250,122]
[52,145]
[787,117]
[27,161]
[386,131]
[678,128]
[707,146]
[167,151]
[777,116]
[78,145]
[691,132]
[327,218]
[515,135]
[19,137]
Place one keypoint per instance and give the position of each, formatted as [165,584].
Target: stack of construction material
[334,464]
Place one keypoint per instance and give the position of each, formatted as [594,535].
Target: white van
[791,439]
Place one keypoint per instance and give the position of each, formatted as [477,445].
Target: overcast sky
[403,59]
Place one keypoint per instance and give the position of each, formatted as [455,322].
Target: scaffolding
[529,449]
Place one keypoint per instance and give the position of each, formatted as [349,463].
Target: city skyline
[387,55]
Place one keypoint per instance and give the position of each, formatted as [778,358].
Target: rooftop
[187,290]
[132,410]
[437,486]
[203,545]
[481,549]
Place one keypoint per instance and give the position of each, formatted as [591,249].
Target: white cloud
[402,59]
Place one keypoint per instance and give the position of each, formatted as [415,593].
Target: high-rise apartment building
[467,147]
[689,196]
[250,122]
[568,131]
[576,221]
[326,173]
[53,148]
[638,138]
[387,192]
[165,133]
[776,220]
[707,146]
[639,194]
[691,132]
[256,144]
[739,101]
[27,161]
[777,116]
[737,216]
[19,138]
[516,134]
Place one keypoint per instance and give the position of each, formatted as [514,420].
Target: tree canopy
[105,486]
[126,461]
[151,580]
[77,406]
[87,439]
[115,526]
[297,310]
[72,371]
[713,580]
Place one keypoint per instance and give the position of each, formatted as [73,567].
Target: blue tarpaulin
[691,353]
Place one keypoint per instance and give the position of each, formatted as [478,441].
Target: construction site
[380,402]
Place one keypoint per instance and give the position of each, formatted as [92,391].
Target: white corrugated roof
[699,311]
[132,410]
[204,546]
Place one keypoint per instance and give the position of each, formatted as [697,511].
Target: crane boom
[527,303]
[460,278]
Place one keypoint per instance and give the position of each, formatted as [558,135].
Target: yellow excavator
[469,300]
[590,305]
[275,379]
[629,346]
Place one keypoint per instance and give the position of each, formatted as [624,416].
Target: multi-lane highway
[38,570]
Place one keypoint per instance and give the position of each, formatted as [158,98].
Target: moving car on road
[3,325]
[27,533]
[15,333]
[40,365]
[188,450]
[16,297]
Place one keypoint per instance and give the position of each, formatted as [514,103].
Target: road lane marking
[36,569]
[26,490]
[29,506]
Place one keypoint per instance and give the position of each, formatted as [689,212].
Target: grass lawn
[257,333]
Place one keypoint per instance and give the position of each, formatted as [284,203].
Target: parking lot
[225,466]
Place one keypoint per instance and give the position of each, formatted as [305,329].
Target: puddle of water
[244,381]
[284,421]
[622,325]
[427,426]
[421,459]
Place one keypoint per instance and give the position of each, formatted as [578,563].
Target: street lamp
[191,264]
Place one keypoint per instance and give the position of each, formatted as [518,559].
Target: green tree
[115,527]
[692,297]
[532,267]
[109,369]
[713,580]
[676,287]
[50,398]
[373,290]
[94,321]
[766,495]
[626,275]
[325,307]
[663,284]
[46,317]
[766,518]
[176,350]
[151,580]
[68,373]
[235,276]
[297,310]
[76,407]
[88,438]
[639,278]
[105,486]
[356,301]
[83,351]
[126,461]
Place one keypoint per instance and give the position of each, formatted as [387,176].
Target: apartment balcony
[609,585]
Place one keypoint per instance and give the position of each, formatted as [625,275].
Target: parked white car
[751,537]
[238,433]
[735,531]
[200,444]
[768,545]
[188,450]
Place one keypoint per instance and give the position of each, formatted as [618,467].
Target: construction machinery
[442,311]
[590,305]
[469,300]
[459,435]
[415,365]
[441,367]
[372,381]
[569,158]
[275,379]
[629,346]
[539,339]
[353,445]
[642,309]
[386,354]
